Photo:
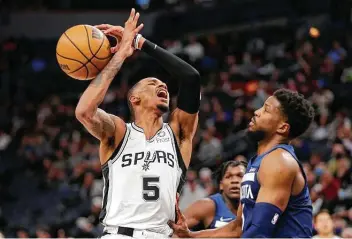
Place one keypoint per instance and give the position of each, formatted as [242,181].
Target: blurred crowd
[44,5]
[50,177]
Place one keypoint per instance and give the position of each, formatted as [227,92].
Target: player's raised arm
[184,119]
[276,176]
[100,124]
[231,230]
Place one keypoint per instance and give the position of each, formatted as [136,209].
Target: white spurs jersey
[141,180]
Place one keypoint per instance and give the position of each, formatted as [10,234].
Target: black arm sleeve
[189,78]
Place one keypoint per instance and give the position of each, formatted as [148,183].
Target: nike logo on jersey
[252,170]
[220,224]
[222,219]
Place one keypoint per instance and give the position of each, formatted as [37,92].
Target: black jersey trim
[180,161]
[119,148]
[117,153]
[105,173]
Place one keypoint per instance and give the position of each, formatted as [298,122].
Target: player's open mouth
[252,122]
[162,94]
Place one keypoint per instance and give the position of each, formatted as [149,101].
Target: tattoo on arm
[96,121]
[109,72]
[101,126]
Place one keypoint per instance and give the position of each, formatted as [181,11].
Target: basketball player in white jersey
[143,162]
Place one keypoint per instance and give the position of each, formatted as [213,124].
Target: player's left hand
[180,227]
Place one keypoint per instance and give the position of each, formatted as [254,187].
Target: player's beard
[256,136]
[163,108]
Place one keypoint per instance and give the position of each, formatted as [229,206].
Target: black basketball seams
[101,44]
[68,58]
[89,60]
[87,70]
[83,64]
[71,59]
[90,49]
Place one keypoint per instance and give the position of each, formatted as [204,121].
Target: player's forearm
[174,65]
[189,78]
[215,233]
[96,91]
[231,230]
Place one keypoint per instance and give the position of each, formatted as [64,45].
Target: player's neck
[267,144]
[231,204]
[149,122]
[328,235]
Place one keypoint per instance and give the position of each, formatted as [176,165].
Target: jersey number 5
[151,191]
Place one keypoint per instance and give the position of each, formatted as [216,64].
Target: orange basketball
[83,51]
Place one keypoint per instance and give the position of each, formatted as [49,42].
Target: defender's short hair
[299,111]
[224,166]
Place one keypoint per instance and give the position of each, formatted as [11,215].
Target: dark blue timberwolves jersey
[223,215]
[296,220]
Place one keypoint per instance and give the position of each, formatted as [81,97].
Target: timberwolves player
[221,208]
[275,200]
[142,162]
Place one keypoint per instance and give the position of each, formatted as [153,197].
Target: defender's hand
[180,227]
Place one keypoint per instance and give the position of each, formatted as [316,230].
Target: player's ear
[284,128]
[134,99]
[221,187]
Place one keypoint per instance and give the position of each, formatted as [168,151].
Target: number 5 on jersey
[151,190]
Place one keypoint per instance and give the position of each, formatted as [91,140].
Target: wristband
[136,41]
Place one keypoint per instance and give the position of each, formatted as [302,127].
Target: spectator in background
[22,233]
[239,122]
[5,140]
[347,233]
[337,53]
[317,201]
[329,189]
[61,233]
[86,229]
[173,46]
[344,175]
[209,148]
[347,73]
[194,49]
[192,190]
[323,224]
[43,232]
[206,180]
[323,98]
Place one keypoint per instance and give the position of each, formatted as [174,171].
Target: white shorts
[136,234]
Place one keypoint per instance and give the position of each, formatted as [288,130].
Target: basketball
[83,51]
